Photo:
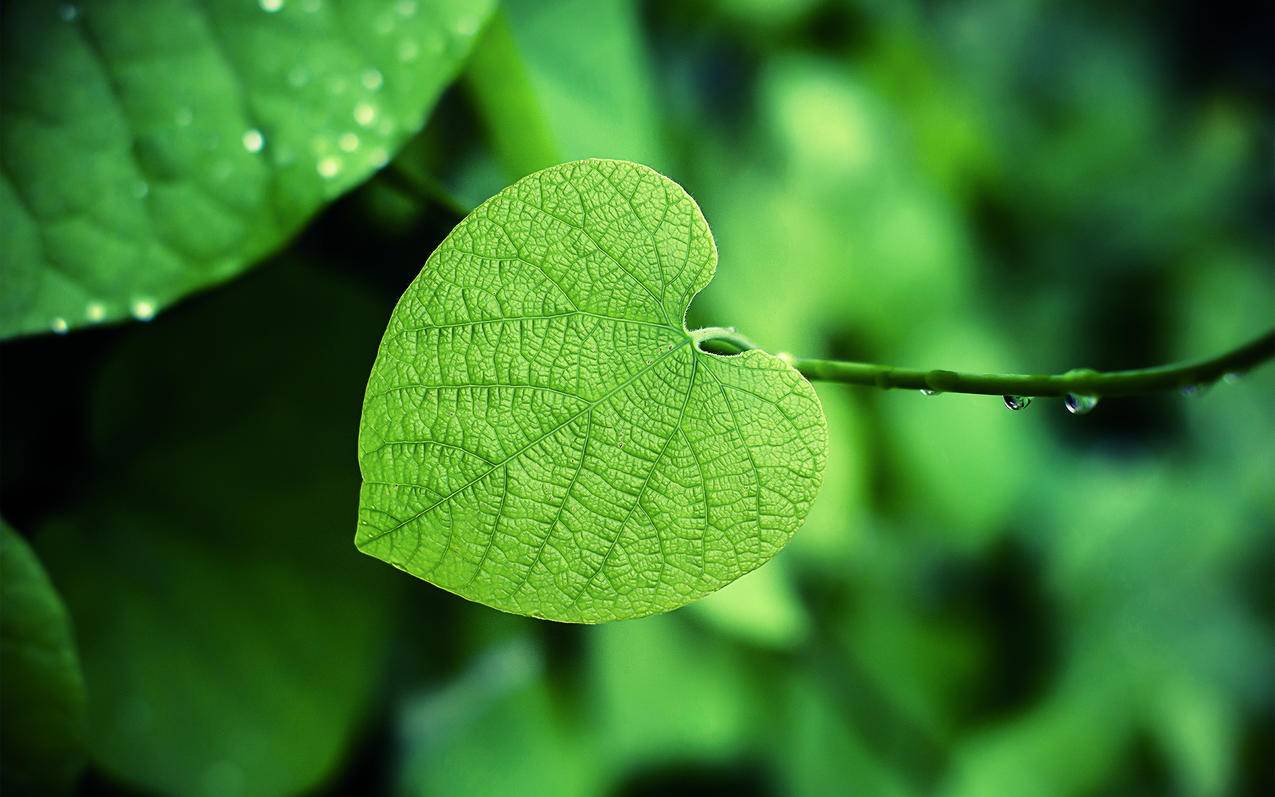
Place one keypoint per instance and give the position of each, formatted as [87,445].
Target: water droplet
[59,326]
[1231,377]
[372,79]
[1078,404]
[271,6]
[365,114]
[348,142]
[95,312]
[467,26]
[384,25]
[380,157]
[1017,402]
[310,6]
[183,117]
[407,51]
[1195,391]
[329,167]
[298,76]
[143,309]
[141,189]
[925,391]
[338,85]
[69,12]
[253,141]
[405,8]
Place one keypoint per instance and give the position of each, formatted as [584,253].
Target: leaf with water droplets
[153,148]
[42,715]
[542,435]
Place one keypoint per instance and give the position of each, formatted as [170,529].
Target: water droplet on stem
[1078,404]
[1017,402]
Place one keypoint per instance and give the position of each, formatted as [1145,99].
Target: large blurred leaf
[231,638]
[497,729]
[152,148]
[663,692]
[561,81]
[42,702]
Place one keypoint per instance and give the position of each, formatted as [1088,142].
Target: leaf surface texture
[540,432]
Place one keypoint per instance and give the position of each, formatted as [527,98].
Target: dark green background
[982,602]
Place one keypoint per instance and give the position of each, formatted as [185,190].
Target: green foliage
[979,602]
[542,434]
[143,161]
[42,691]
[230,643]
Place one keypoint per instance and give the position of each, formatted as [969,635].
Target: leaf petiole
[1082,382]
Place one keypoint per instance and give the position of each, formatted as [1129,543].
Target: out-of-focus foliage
[227,637]
[981,602]
[154,147]
[42,691]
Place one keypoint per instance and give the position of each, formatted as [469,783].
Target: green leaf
[153,148]
[232,641]
[542,434]
[42,710]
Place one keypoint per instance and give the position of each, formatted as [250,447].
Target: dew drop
[58,325]
[1017,402]
[95,312]
[348,142]
[407,51]
[143,309]
[298,76]
[271,6]
[141,189]
[253,141]
[372,79]
[1078,404]
[365,114]
[310,6]
[925,391]
[467,26]
[1196,390]
[329,167]
[184,117]
[69,12]
[405,8]
[380,157]
[1231,377]
[786,357]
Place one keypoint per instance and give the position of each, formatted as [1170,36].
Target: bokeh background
[982,602]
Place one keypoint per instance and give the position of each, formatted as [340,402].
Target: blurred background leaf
[153,148]
[42,697]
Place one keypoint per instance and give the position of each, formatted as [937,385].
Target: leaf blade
[569,453]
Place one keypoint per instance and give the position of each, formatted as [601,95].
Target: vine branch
[1080,382]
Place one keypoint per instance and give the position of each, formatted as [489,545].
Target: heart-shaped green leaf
[542,434]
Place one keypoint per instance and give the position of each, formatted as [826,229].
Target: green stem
[1082,382]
